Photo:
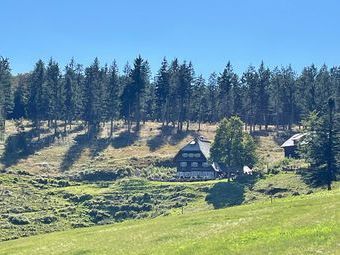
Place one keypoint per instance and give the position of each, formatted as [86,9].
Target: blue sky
[209,33]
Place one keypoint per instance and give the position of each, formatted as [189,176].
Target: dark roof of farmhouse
[199,144]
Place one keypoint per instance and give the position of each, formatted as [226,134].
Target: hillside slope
[152,145]
[297,225]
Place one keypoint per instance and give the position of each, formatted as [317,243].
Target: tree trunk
[111,127]
[138,113]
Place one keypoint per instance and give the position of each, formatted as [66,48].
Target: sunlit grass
[295,225]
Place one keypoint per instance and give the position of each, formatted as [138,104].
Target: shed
[290,145]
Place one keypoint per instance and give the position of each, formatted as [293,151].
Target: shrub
[98,215]
[104,174]
[48,219]
[18,220]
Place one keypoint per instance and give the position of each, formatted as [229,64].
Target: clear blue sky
[209,33]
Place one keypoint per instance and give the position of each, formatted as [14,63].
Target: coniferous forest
[175,96]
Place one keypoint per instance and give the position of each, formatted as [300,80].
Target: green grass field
[305,224]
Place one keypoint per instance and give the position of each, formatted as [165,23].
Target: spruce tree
[35,105]
[212,96]
[226,80]
[113,96]
[162,92]
[321,146]
[92,98]
[262,102]
[5,94]
[250,80]
[139,80]
[20,99]
[52,93]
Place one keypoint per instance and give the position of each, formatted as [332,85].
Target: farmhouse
[192,160]
[290,146]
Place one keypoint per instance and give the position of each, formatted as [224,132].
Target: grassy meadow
[112,195]
[296,225]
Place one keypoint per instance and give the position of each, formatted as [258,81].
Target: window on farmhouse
[185,155]
[183,164]
[194,164]
[197,155]
[205,164]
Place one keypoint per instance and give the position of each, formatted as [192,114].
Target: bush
[104,174]
[48,219]
[98,215]
[78,199]
[18,220]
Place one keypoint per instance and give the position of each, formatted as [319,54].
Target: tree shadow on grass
[224,194]
[96,146]
[167,135]
[24,144]
[124,139]
[74,152]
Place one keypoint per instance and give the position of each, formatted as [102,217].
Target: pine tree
[173,94]
[6,103]
[199,103]
[35,106]
[68,97]
[162,92]
[262,106]
[250,80]
[322,142]
[308,89]
[127,95]
[92,98]
[212,95]
[324,89]
[113,96]
[20,99]
[226,80]
[335,81]
[5,94]
[139,80]
[184,90]
[52,93]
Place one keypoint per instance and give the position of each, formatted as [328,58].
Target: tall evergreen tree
[226,81]
[321,145]
[250,80]
[20,98]
[308,89]
[212,95]
[92,97]
[52,93]
[113,96]
[262,104]
[162,92]
[199,102]
[35,105]
[184,86]
[5,93]
[5,88]
[139,79]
